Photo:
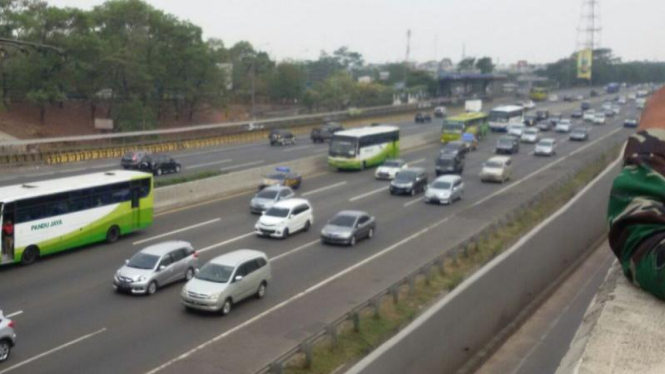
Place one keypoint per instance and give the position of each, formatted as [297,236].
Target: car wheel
[285,234]
[307,225]
[189,274]
[5,350]
[261,292]
[370,234]
[152,288]
[177,169]
[30,255]
[158,172]
[226,307]
[413,191]
[353,241]
[113,234]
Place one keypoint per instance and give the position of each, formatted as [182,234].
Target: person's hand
[653,116]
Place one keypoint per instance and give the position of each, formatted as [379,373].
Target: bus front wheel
[30,255]
[113,234]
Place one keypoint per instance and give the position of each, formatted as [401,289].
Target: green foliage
[466,64]
[287,82]
[134,116]
[485,65]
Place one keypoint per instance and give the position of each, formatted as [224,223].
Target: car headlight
[141,278]
[214,296]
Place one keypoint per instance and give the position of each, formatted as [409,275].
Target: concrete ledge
[622,332]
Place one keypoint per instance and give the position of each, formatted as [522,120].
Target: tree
[336,91]
[466,64]
[348,59]
[287,82]
[485,65]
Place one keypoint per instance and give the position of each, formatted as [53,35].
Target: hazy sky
[507,30]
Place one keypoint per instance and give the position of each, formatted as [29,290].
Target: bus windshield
[497,116]
[343,147]
[453,127]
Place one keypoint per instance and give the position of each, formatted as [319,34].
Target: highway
[69,319]
[226,158]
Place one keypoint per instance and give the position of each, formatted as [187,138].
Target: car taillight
[195,254]
[11,324]
[134,158]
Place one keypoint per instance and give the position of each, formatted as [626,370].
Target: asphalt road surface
[69,320]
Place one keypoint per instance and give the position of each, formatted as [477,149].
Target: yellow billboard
[584,63]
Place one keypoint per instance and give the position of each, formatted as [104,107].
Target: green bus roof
[467,117]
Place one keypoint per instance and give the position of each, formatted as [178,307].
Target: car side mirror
[196,271]
[161,267]
[238,278]
[126,261]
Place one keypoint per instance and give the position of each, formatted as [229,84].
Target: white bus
[42,218]
[502,116]
[363,147]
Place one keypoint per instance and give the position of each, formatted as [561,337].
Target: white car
[545,147]
[589,115]
[563,126]
[530,135]
[616,110]
[599,119]
[445,190]
[516,130]
[390,168]
[529,104]
[554,98]
[497,169]
[285,218]
[622,100]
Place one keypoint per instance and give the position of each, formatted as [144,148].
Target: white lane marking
[25,362]
[295,250]
[416,200]
[323,189]
[546,167]
[18,313]
[176,231]
[298,148]
[208,248]
[370,193]
[298,296]
[242,165]
[416,161]
[209,163]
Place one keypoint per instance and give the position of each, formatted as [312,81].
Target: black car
[585,105]
[449,164]
[456,148]
[422,118]
[281,137]
[409,181]
[577,114]
[137,160]
[593,93]
[162,164]
[325,132]
[530,120]
[568,98]
[507,144]
[542,115]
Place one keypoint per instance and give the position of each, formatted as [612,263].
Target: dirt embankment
[74,118]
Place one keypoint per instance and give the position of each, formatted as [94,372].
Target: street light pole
[252,75]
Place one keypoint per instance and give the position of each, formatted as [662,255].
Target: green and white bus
[364,147]
[60,214]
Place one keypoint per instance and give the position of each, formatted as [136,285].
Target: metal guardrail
[463,248]
[90,147]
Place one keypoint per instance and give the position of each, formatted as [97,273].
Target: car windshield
[215,273]
[276,176]
[546,143]
[143,261]
[530,132]
[493,165]
[277,212]
[343,147]
[392,164]
[444,161]
[441,185]
[343,220]
[405,176]
[496,116]
[267,194]
[579,132]
[505,141]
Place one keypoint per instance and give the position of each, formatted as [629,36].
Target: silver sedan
[347,227]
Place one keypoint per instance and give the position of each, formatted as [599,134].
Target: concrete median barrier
[461,326]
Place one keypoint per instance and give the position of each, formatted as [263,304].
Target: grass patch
[187,178]
[413,297]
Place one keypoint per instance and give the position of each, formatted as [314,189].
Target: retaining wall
[460,325]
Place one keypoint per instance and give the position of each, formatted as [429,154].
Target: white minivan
[285,218]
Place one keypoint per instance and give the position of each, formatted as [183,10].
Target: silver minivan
[227,280]
[157,266]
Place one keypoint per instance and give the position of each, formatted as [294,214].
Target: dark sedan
[348,227]
[422,118]
[162,164]
[409,181]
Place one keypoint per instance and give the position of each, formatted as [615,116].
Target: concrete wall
[205,189]
[450,333]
